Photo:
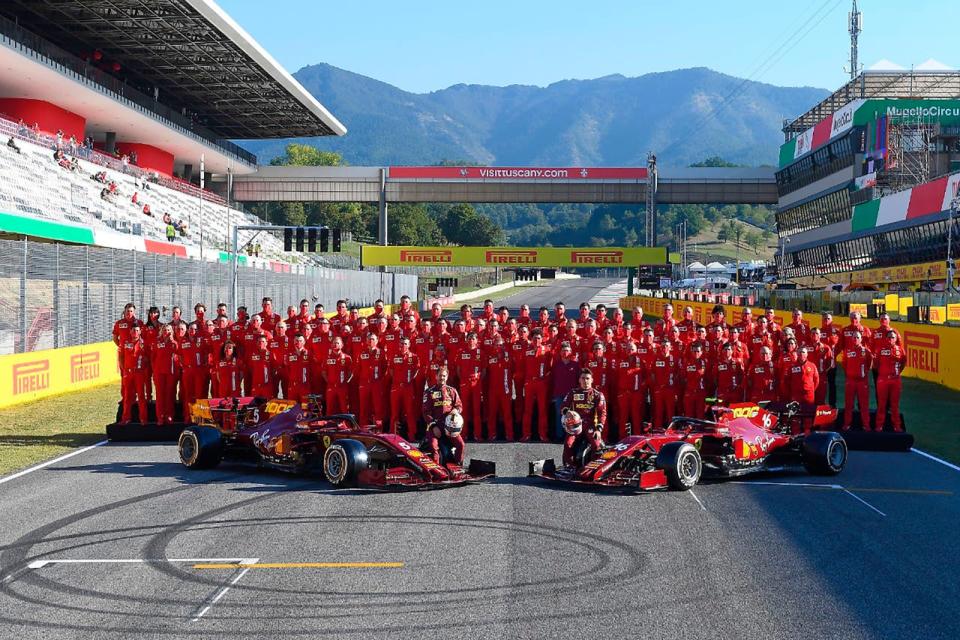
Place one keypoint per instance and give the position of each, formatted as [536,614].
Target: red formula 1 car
[741,439]
[281,434]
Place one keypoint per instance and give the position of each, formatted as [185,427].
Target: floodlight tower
[854,26]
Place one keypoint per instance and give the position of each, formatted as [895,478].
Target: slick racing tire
[200,447]
[581,453]
[824,453]
[343,461]
[681,463]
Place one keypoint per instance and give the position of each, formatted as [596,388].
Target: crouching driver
[584,412]
[441,412]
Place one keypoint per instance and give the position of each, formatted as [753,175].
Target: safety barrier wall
[25,377]
[31,376]
[933,352]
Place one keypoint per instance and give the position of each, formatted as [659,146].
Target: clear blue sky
[422,46]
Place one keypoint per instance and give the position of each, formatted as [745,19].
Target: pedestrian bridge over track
[505,185]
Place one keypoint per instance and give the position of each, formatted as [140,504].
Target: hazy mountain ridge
[608,121]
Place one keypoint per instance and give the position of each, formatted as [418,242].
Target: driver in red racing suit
[439,402]
[591,407]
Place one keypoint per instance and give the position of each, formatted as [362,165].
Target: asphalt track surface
[111,542]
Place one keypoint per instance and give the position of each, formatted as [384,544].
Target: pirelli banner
[933,352]
[31,376]
[521,257]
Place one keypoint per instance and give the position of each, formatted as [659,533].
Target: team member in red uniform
[687,327]
[746,324]
[470,368]
[718,319]
[340,319]
[537,365]
[695,382]
[239,327]
[762,377]
[785,360]
[741,352]
[499,396]
[598,363]
[857,362]
[318,316]
[600,315]
[268,319]
[469,322]
[821,355]
[801,328]
[524,319]
[176,318]
[760,338]
[855,327]
[804,378]
[664,383]
[584,315]
[437,362]
[889,363]
[390,340]
[407,309]
[572,337]
[588,335]
[280,345]
[503,316]
[666,323]
[518,350]
[404,369]
[319,345]
[135,356]
[165,363]
[543,322]
[631,389]
[371,372]
[263,371]
[637,324]
[647,348]
[297,369]
[194,372]
[773,327]
[337,374]
[439,402]
[378,312]
[455,343]
[878,339]
[423,344]
[228,372]
[730,376]
[121,328]
[150,332]
[564,377]
[590,406]
[489,337]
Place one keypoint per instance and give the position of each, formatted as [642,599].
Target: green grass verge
[34,432]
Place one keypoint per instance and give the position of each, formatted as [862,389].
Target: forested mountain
[683,115]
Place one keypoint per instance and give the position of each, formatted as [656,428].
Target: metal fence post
[56,297]
[22,344]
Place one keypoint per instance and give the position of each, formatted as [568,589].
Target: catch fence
[57,295]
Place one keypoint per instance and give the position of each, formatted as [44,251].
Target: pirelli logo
[84,366]
[596,257]
[511,257]
[923,351]
[426,256]
[29,377]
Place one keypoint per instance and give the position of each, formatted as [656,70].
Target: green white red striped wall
[910,204]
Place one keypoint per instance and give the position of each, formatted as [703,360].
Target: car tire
[681,463]
[200,447]
[824,453]
[343,461]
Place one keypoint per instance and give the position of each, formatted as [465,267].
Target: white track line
[209,605]
[936,459]
[50,462]
[697,499]
[859,499]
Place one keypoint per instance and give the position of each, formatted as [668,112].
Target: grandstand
[883,140]
[135,94]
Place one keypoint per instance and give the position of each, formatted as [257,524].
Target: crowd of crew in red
[508,370]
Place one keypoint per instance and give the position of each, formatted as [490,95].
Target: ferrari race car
[281,434]
[741,439]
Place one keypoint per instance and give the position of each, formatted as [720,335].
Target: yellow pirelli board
[511,257]
[38,374]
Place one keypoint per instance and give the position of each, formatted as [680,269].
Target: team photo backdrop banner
[520,257]
[518,173]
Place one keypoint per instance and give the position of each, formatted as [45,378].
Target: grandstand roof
[892,83]
[193,53]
